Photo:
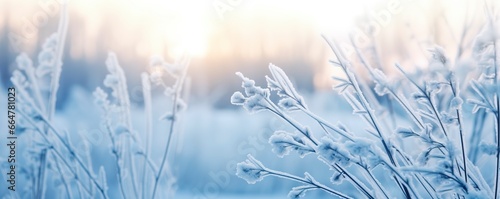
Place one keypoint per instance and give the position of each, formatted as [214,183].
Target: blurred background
[223,37]
[227,36]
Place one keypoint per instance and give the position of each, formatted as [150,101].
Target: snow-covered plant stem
[54,86]
[173,120]
[254,170]
[378,77]
[365,107]
[497,114]
[67,184]
[146,90]
[125,143]
[496,76]
[39,114]
[441,167]
[304,130]
[69,150]
[327,150]
[114,151]
[57,61]
[456,95]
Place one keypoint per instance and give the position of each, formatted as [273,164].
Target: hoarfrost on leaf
[434,86]
[251,170]
[284,142]
[333,152]
[101,97]
[156,77]
[51,42]
[337,178]
[299,192]
[288,104]
[360,147]
[381,82]
[448,118]
[438,55]
[456,103]
[24,62]
[255,103]
[111,81]
[406,132]
[19,79]
[282,84]
[237,98]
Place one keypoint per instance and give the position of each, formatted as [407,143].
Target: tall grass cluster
[438,136]
[60,165]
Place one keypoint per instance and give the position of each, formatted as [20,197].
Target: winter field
[250,99]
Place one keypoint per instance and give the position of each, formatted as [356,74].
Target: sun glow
[191,35]
[325,15]
[167,27]
[174,27]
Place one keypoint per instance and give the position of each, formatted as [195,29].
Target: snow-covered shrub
[424,153]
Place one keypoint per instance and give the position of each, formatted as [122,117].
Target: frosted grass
[432,105]
[441,140]
[59,166]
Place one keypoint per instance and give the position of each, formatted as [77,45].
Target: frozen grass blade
[54,86]
[61,156]
[56,73]
[146,89]
[175,108]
